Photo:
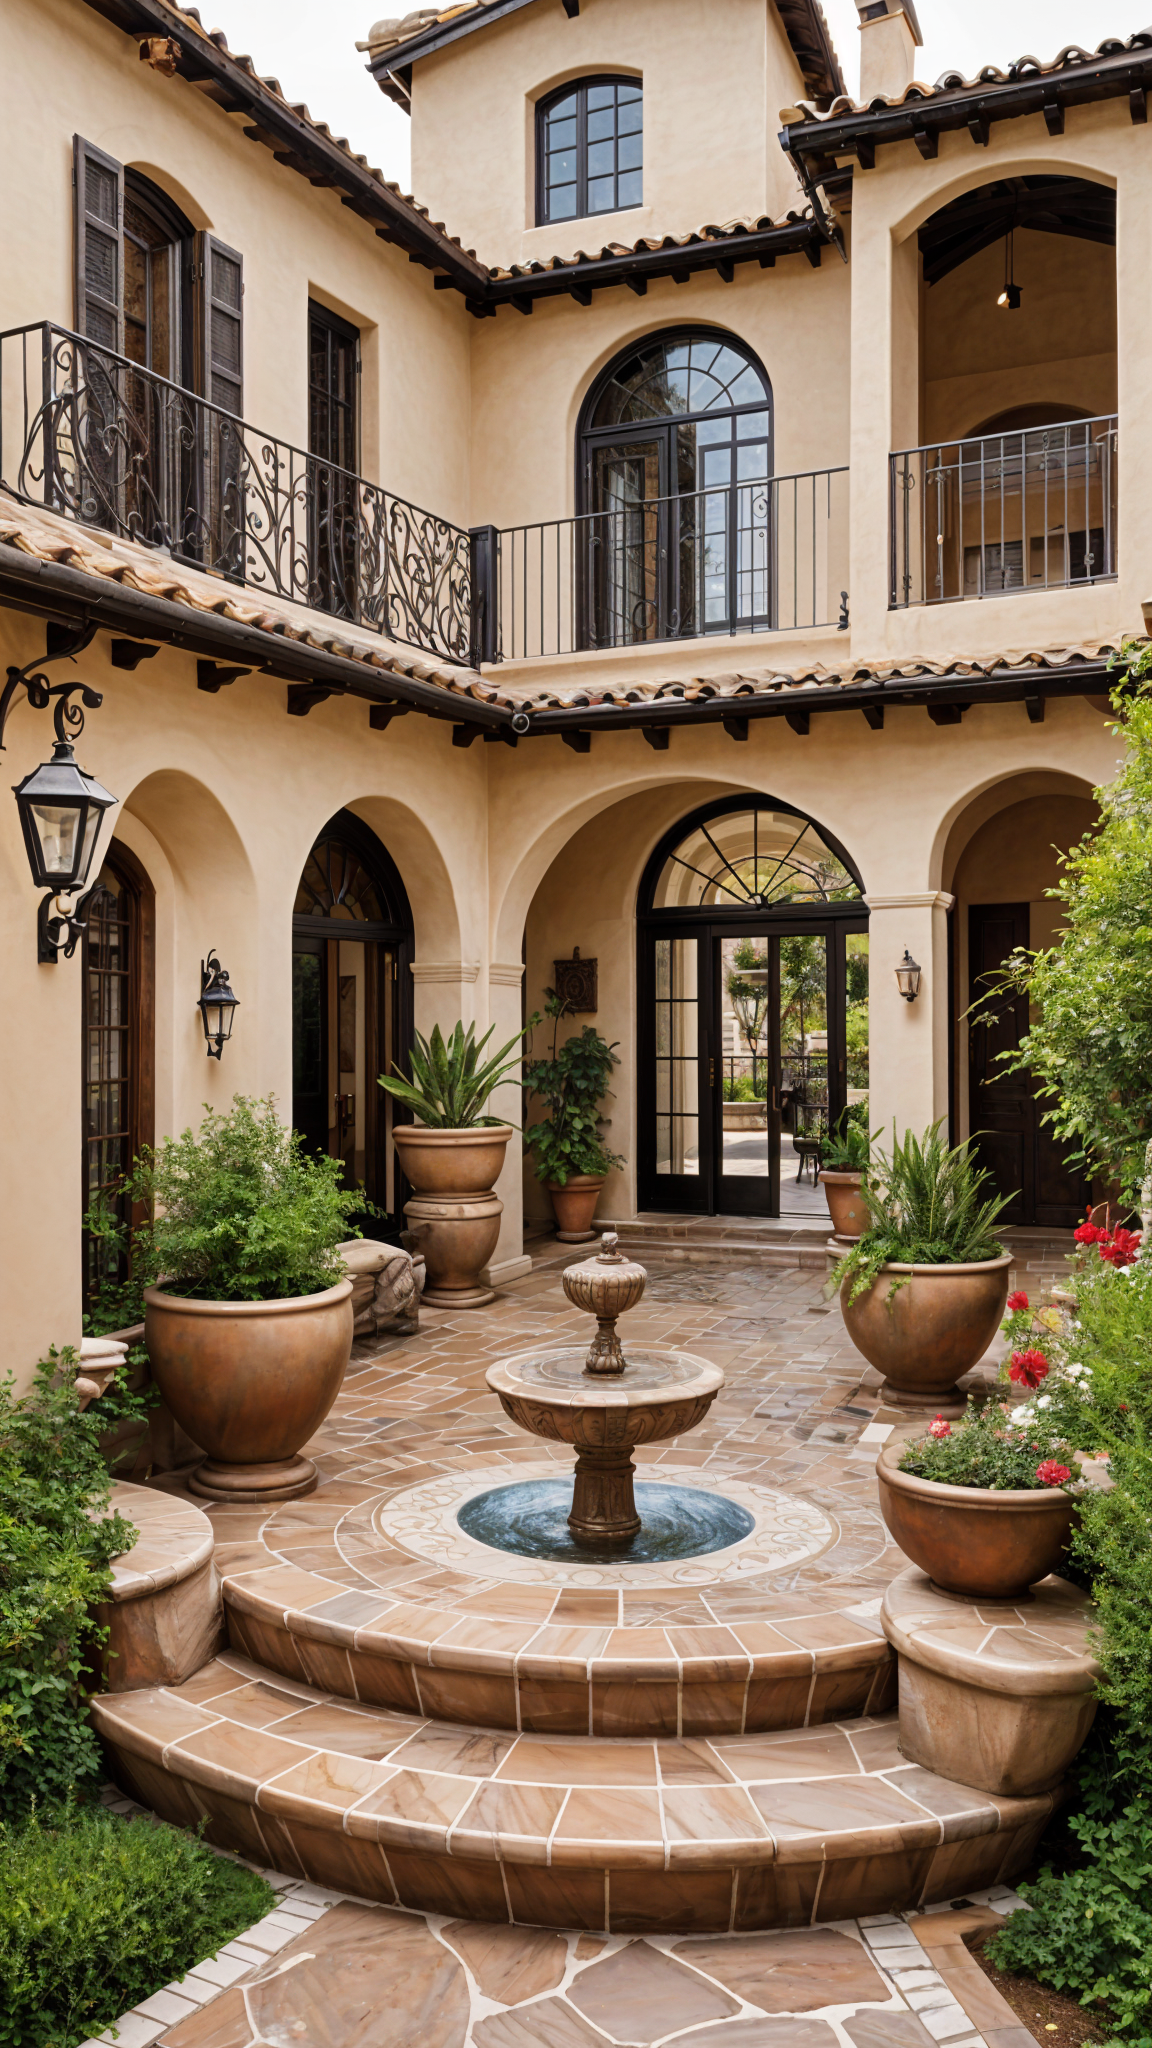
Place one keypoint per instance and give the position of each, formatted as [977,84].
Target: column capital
[505,973]
[445,970]
[926,899]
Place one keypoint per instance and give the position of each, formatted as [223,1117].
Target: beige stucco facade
[521,854]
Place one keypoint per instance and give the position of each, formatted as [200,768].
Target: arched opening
[1001,861]
[752,1033]
[1014,484]
[674,462]
[118,981]
[157,305]
[351,1005]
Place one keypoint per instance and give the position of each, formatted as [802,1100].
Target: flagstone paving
[799,1416]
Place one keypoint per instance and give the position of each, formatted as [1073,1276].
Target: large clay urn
[250,1382]
[992,1545]
[923,1334]
[846,1204]
[574,1206]
[454,1215]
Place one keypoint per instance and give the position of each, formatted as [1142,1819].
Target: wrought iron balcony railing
[763,556]
[1034,509]
[89,434]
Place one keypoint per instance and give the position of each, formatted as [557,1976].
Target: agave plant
[928,1206]
[449,1088]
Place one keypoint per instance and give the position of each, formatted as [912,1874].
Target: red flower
[1123,1248]
[1089,1232]
[1028,1368]
[1052,1474]
[1016,1302]
[939,1427]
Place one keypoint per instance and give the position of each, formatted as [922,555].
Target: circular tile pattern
[787,1531]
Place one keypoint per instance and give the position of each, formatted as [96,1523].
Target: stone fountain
[604,1404]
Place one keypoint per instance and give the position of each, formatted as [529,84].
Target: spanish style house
[694,530]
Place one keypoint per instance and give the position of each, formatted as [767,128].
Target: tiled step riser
[807,1694]
[606,1898]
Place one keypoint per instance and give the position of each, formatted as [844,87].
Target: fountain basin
[662,1393]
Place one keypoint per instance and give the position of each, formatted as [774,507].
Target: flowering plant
[988,1449]
[1115,1245]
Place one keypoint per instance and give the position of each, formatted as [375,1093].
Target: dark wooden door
[1009,1138]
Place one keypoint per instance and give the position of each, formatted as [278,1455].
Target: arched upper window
[675,463]
[349,877]
[746,855]
[589,149]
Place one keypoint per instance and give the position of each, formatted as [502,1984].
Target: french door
[345,1033]
[745,1060]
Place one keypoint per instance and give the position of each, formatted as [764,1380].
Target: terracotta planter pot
[846,1204]
[574,1206]
[989,1545]
[454,1217]
[250,1381]
[930,1331]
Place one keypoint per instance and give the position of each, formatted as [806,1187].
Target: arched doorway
[351,1004]
[753,1027]
[674,461]
[118,981]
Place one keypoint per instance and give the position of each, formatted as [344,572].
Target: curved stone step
[738,1832]
[561,1660]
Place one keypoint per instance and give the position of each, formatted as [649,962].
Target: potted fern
[923,1288]
[844,1156]
[452,1155]
[571,1158]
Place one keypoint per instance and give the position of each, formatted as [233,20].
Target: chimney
[889,39]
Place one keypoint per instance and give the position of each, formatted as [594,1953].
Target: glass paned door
[676,1067]
[625,546]
[344,1030]
[746,1075]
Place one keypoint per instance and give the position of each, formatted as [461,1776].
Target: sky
[311,50]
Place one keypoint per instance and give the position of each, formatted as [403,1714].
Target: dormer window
[590,149]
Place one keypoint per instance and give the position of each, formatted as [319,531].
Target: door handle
[711,1073]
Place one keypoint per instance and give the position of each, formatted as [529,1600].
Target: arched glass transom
[759,857]
[680,377]
[335,883]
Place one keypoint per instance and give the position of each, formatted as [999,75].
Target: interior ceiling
[1052,206]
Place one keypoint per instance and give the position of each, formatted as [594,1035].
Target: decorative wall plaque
[575,983]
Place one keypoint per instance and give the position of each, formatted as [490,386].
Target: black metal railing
[1033,509]
[89,434]
[764,556]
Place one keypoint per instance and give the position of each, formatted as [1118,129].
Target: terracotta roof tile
[693,238]
[1070,58]
[48,537]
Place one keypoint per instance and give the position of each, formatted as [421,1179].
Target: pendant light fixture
[1010,297]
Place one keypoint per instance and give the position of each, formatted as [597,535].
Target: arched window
[753,980]
[351,1004]
[156,235]
[589,149]
[118,976]
[675,459]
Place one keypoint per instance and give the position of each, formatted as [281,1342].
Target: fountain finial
[605,1286]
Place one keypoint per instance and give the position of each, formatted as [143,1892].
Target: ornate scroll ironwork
[114,446]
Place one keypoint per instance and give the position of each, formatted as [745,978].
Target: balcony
[1033,509]
[88,434]
[761,557]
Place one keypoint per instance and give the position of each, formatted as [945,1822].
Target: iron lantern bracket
[67,718]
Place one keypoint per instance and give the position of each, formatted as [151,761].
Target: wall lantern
[60,806]
[908,977]
[217,1004]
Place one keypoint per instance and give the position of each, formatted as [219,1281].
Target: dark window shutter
[218,277]
[98,210]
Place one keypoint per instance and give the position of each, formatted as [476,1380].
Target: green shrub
[242,1211]
[987,1449]
[97,1913]
[56,1539]
[1090,1929]
[572,1082]
[928,1208]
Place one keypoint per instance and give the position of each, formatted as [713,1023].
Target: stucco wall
[66,71]
[715,74]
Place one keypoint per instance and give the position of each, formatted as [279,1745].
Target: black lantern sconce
[217,1004]
[908,977]
[1009,299]
[60,805]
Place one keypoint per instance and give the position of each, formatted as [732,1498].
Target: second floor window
[590,146]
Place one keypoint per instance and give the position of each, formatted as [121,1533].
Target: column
[509,1261]
[907,1042]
